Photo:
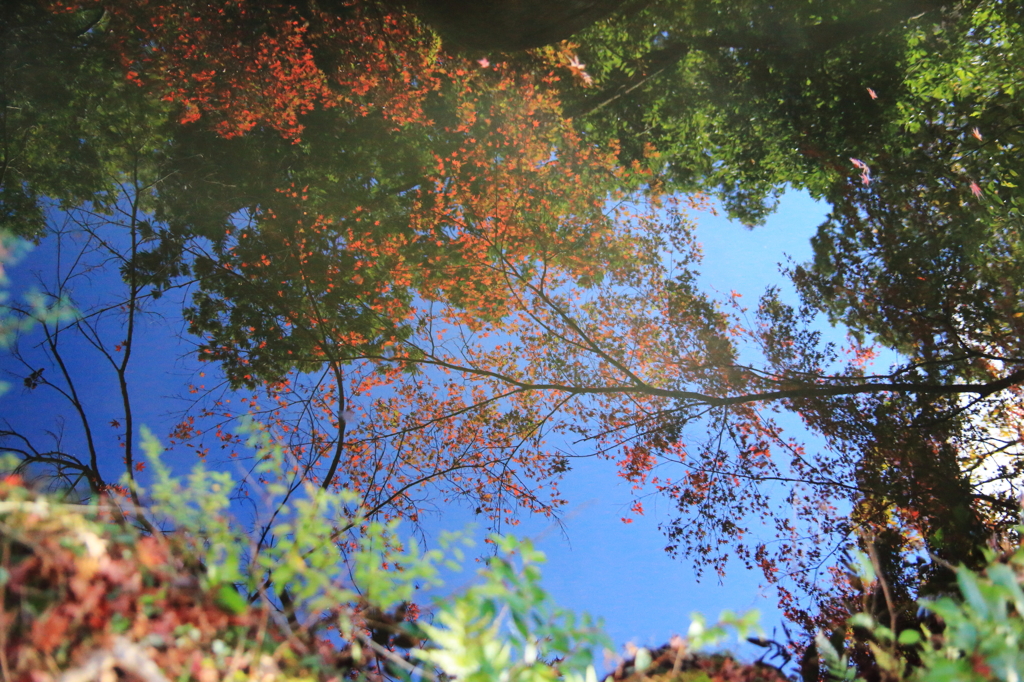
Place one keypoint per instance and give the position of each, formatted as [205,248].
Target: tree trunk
[507,25]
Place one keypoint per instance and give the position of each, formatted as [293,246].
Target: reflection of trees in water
[427,241]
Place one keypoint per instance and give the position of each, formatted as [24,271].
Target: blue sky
[596,563]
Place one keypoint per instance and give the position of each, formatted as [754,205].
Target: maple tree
[496,91]
[429,269]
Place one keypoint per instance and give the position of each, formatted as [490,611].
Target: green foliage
[742,98]
[40,310]
[11,250]
[301,551]
[984,635]
[70,124]
[503,628]
[701,635]
[104,581]
[980,633]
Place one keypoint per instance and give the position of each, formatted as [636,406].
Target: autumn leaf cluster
[84,590]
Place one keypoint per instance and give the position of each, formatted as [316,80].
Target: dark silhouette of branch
[809,391]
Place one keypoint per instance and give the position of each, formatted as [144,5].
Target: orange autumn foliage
[242,64]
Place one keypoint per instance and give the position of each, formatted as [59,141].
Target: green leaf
[230,600]
[909,637]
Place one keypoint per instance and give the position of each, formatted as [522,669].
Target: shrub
[975,636]
[94,589]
